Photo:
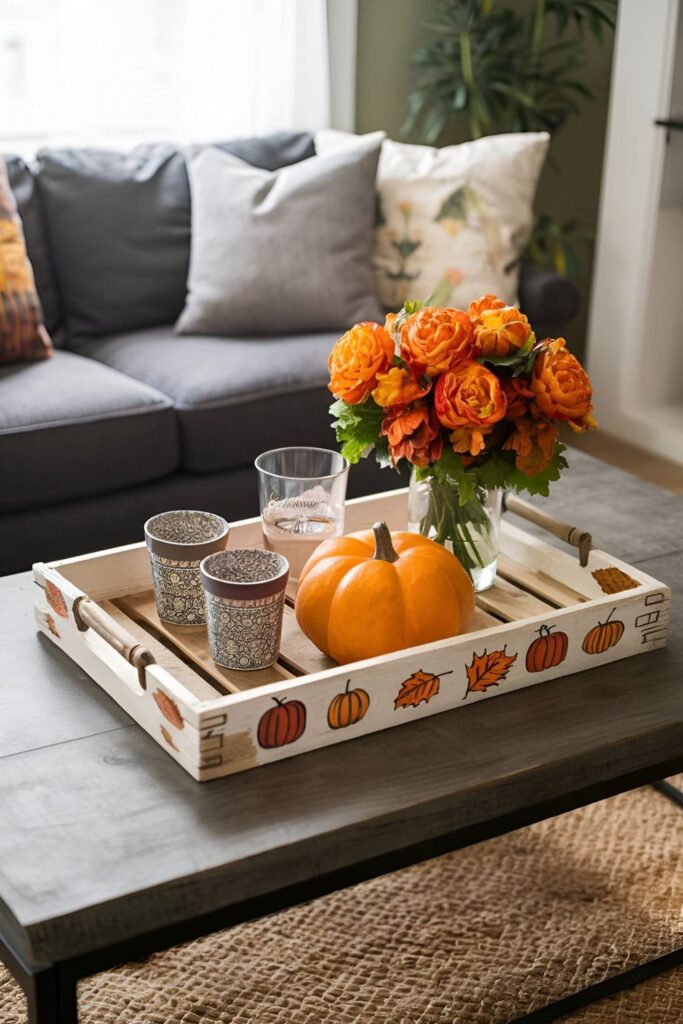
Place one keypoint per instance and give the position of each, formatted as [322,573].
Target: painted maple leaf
[421,686]
[488,669]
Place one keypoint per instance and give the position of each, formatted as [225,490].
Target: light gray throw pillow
[282,251]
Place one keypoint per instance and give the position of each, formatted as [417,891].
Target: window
[117,72]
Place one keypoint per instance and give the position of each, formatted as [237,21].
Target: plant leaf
[357,427]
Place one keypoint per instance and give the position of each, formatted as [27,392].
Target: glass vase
[470,530]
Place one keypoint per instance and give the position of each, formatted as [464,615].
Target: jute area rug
[480,936]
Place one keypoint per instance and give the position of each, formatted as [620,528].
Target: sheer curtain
[116,72]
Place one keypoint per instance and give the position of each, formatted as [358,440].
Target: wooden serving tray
[546,616]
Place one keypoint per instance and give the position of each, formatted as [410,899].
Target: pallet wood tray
[546,616]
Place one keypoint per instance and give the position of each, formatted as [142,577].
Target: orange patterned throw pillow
[22,333]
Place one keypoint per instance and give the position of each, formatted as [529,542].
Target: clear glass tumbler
[302,493]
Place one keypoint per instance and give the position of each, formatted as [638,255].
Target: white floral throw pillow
[457,217]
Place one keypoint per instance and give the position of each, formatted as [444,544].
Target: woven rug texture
[479,936]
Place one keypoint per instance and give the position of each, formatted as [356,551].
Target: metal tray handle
[580,539]
[89,615]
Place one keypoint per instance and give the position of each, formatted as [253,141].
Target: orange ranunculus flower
[469,440]
[562,387]
[436,339]
[470,396]
[397,386]
[518,394]
[502,331]
[533,443]
[356,359]
[483,304]
[414,434]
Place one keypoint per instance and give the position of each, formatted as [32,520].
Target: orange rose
[397,387]
[562,387]
[356,359]
[518,394]
[500,331]
[483,304]
[414,435]
[434,340]
[533,443]
[390,323]
[470,441]
[470,396]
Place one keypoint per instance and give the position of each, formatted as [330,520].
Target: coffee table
[110,851]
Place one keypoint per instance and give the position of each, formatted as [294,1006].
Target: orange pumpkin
[603,636]
[374,592]
[547,650]
[347,708]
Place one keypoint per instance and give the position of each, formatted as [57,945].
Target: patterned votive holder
[245,599]
[177,542]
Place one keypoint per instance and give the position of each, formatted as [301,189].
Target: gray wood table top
[102,835]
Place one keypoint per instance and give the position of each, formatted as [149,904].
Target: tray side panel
[314,711]
[165,702]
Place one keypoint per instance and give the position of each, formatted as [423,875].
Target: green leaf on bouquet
[450,469]
[357,427]
[521,360]
[496,470]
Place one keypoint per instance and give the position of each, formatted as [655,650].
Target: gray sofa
[128,419]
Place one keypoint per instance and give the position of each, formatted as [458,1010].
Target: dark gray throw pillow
[281,252]
[119,228]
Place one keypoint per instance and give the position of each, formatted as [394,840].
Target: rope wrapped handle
[89,615]
[580,539]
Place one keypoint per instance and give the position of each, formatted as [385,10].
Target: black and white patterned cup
[244,591]
[177,542]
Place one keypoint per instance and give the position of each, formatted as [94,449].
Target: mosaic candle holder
[245,599]
[177,542]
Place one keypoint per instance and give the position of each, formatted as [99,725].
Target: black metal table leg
[42,996]
[670,791]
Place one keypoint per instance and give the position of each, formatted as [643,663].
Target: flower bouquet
[471,400]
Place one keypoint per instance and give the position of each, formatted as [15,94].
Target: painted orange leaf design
[488,669]
[51,625]
[421,686]
[167,736]
[169,708]
[56,600]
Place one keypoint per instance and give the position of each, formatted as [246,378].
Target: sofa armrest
[549,301]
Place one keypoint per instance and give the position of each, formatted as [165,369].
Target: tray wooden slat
[538,583]
[510,602]
[194,643]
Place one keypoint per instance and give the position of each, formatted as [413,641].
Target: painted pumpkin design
[347,708]
[282,724]
[547,650]
[603,636]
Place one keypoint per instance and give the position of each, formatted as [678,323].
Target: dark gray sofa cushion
[30,210]
[234,398]
[71,427]
[119,228]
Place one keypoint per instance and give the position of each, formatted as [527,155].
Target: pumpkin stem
[279,702]
[346,688]
[609,616]
[384,549]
